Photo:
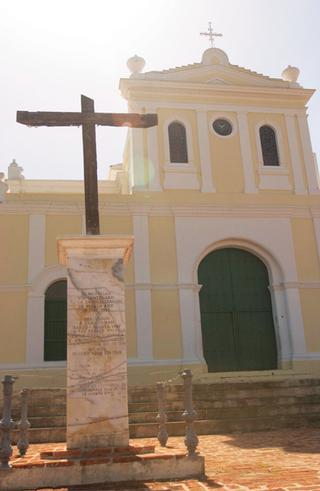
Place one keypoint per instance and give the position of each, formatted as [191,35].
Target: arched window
[178,143]
[269,146]
[55,322]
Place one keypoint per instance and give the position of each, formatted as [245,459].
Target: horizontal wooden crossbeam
[42,118]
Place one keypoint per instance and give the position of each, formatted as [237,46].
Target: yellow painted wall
[305,248]
[13,308]
[14,237]
[226,158]
[162,244]
[310,301]
[58,226]
[166,324]
[120,224]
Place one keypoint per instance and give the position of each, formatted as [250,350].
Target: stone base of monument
[55,466]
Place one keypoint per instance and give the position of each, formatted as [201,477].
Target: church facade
[223,201]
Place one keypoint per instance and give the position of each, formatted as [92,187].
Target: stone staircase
[223,405]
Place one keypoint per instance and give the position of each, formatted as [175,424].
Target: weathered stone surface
[97,401]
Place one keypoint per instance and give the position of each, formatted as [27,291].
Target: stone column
[97,401]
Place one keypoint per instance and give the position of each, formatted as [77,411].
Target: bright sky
[51,51]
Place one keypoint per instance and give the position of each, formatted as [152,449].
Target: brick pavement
[283,460]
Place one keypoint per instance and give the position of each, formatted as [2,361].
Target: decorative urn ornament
[136,64]
[290,74]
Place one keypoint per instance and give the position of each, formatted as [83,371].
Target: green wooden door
[55,322]
[236,313]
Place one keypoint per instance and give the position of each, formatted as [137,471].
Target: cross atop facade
[88,119]
[211,34]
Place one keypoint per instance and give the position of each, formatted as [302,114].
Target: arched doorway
[55,322]
[236,312]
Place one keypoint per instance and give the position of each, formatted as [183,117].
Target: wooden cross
[88,119]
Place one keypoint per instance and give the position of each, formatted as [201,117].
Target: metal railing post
[24,424]
[161,416]
[6,423]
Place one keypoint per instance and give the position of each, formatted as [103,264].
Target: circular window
[222,127]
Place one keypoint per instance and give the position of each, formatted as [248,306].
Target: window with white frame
[178,149]
[269,146]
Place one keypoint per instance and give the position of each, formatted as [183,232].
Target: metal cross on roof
[211,34]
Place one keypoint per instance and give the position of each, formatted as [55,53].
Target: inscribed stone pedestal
[97,403]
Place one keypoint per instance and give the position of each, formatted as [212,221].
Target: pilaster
[294,154]
[153,159]
[249,181]
[310,166]
[142,294]
[207,185]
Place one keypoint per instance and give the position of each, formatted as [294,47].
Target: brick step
[48,421]
[202,414]
[236,413]
[43,435]
[210,391]
[312,398]
[44,410]
[214,392]
[177,428]
[205,427]
[207,403]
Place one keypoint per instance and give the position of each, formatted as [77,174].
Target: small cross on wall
[211,34]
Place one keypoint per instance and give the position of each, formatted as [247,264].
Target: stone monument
[97,406]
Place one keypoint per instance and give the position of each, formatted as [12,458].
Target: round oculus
[222,127]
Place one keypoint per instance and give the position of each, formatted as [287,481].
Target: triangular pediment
[215,69]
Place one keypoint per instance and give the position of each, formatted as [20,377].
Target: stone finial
[3,187]
[136,64]
[290,74]
[15,171]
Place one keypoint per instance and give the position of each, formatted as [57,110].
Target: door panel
[219,343]
[55,322]
[236,313]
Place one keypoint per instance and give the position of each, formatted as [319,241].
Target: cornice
[165,87]
[55,186]
[26,207]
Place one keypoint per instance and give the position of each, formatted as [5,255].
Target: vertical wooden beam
[90,170]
